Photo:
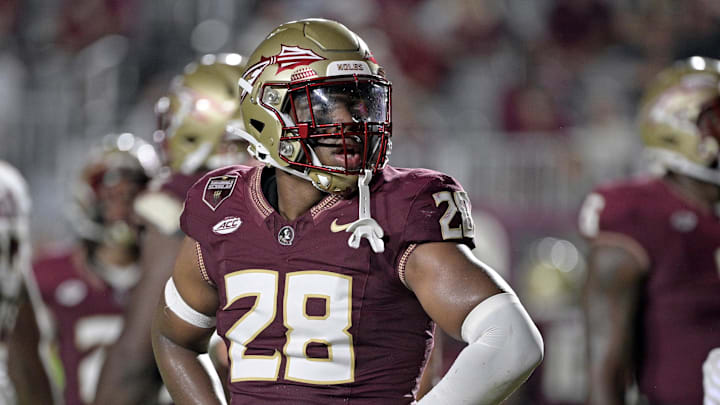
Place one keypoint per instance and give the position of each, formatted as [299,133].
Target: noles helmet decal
[289,57]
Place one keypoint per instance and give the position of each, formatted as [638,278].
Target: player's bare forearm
[129,374]
[468,300]
[130,363]
[136,382]
[610,304]
[219,358]
[25,366]
[176,346]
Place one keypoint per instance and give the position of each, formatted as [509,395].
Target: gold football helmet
[118,169]
[678,118]
[192,118]
[314,83]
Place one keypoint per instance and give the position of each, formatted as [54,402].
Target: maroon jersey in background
[300,309]
[680,318]
[161,204]
[87,317]
[177,184]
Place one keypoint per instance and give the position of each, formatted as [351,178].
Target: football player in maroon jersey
[326,270]
[22,380]
[192,120]
[652,292]
[83,286]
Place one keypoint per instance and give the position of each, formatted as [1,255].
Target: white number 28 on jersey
[329,329]
[457,201]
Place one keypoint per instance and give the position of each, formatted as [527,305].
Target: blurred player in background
[84,287]
[22,382]
[325,270]
[192,133]
[653,289]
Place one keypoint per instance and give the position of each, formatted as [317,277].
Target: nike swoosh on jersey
[334,227]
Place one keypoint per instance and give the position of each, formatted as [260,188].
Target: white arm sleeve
[177,304]
[711,378]
[504,347]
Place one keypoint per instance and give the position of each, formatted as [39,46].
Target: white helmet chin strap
[678,163]
[245,85]
[365,227]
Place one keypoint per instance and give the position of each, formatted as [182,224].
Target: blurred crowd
[528,103]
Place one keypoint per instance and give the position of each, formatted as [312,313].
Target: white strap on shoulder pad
[177,304]
[161,210]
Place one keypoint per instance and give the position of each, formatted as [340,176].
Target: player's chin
[350,161]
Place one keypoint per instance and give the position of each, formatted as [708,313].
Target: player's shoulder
[211,195]
[175,184]
[54,257]
[637,188]
[54,265]
[629,197]
[416,180]
[217,196]
[623,205]
[217,185]
[223,181]
[162,204]
[423,205]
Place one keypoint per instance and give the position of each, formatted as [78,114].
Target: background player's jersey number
[329,329]
[94,334]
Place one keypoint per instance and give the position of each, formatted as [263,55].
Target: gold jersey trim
[403,262]
[201,265]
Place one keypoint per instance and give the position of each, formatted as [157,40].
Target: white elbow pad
[504,347]
[177,304]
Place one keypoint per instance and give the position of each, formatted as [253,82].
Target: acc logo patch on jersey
[218,189]
[227,225]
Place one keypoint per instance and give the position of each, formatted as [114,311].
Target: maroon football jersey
[308,319]
[87,317]
[680,305]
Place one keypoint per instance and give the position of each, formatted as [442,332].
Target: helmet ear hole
[191,138]
[258,125]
